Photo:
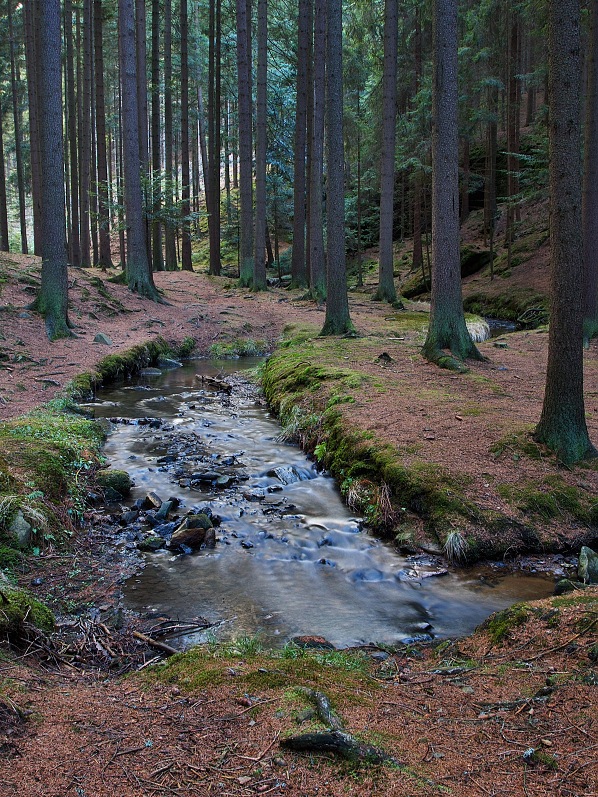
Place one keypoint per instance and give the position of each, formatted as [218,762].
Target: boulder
[151,544]
[20,530]
[117,480]
[101,337]
[169,363]
[193,532]
[587,570]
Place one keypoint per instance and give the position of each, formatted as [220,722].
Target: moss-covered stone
[112,479]
[17,606]
[500,624]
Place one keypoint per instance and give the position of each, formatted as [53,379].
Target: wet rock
[565,585]
[169,363]
[288,474]
[587,570]
[223,481]
[257,494]
[184,482]
[118,481]
[20,530]
[152,501]
[165,508]
[369,575]
[275,488]
[150,372]
[151,544]
[379,655]
[128,517]
[167,459]
[192,532]
[205,476]
[326,562]
[313,642]
[165,530]
[246,544]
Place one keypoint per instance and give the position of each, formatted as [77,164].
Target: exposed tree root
[335,740]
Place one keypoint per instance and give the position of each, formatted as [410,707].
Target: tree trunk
[4,244]
[158,258]
[418,255]
[259,263]
[447,329]
[170,258]
[105,255]
[562,425]
[245,143]
[213,181]
[298,269]
[185,173]
[338,321]
[52,300]
[16,115]
[512,125]
[590,182]
[31,50]
[74,244]
[386,286]
[85,164]
[138,272]
[316,214]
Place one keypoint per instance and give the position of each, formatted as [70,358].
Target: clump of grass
[455,546]
[241,347]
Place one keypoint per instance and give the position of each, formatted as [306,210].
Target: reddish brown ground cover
[462,730]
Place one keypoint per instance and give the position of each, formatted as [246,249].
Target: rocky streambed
[239,527]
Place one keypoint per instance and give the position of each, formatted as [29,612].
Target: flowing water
[290,557]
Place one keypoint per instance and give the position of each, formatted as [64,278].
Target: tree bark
[16,115]
[4,242]
[316,215]
[157,255]
[338,321]
[298,269]
[447,329]
[170,256]
[386,286]
[259,263]
[31,51]
[85,164]
[562,425]
[52,300]
[138,272]
[590,182]
[245,143]
[105,255]
[185,173]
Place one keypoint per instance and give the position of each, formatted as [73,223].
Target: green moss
[518,444]
[524,306]
[17,606]
[186,347]
[241,347]
[500,624]
[117,480]
[550,498]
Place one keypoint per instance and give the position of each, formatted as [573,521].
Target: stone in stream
[206,476]
[166,530]
[193,533]
[165,508]
[314,642]
[287,474]
[150,372]
[257,494]
[587,570]
[114,481]
[223,481]
[152,501]
[128,517]
[151,544]
[168,363]
[167,459]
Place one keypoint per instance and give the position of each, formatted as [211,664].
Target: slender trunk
[157,256]
[338,321]
[245,143]
[316,216]
[465,184]
[85,163]
[105,256]
[562,425]
[185,175]
[16,115]
[4,244]
[386,287]
[298,270]
[170,259]
[447,329]
[418,257]
[52,300]
[512,126]
[138,271]
[590,182]
[32,52]
[259,263]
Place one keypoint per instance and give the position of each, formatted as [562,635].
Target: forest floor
[458,718]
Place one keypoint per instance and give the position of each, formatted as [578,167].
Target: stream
[290,558]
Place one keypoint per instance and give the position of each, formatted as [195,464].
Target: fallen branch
[155,644]
[335,740]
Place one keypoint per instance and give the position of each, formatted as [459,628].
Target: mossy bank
[402,493]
